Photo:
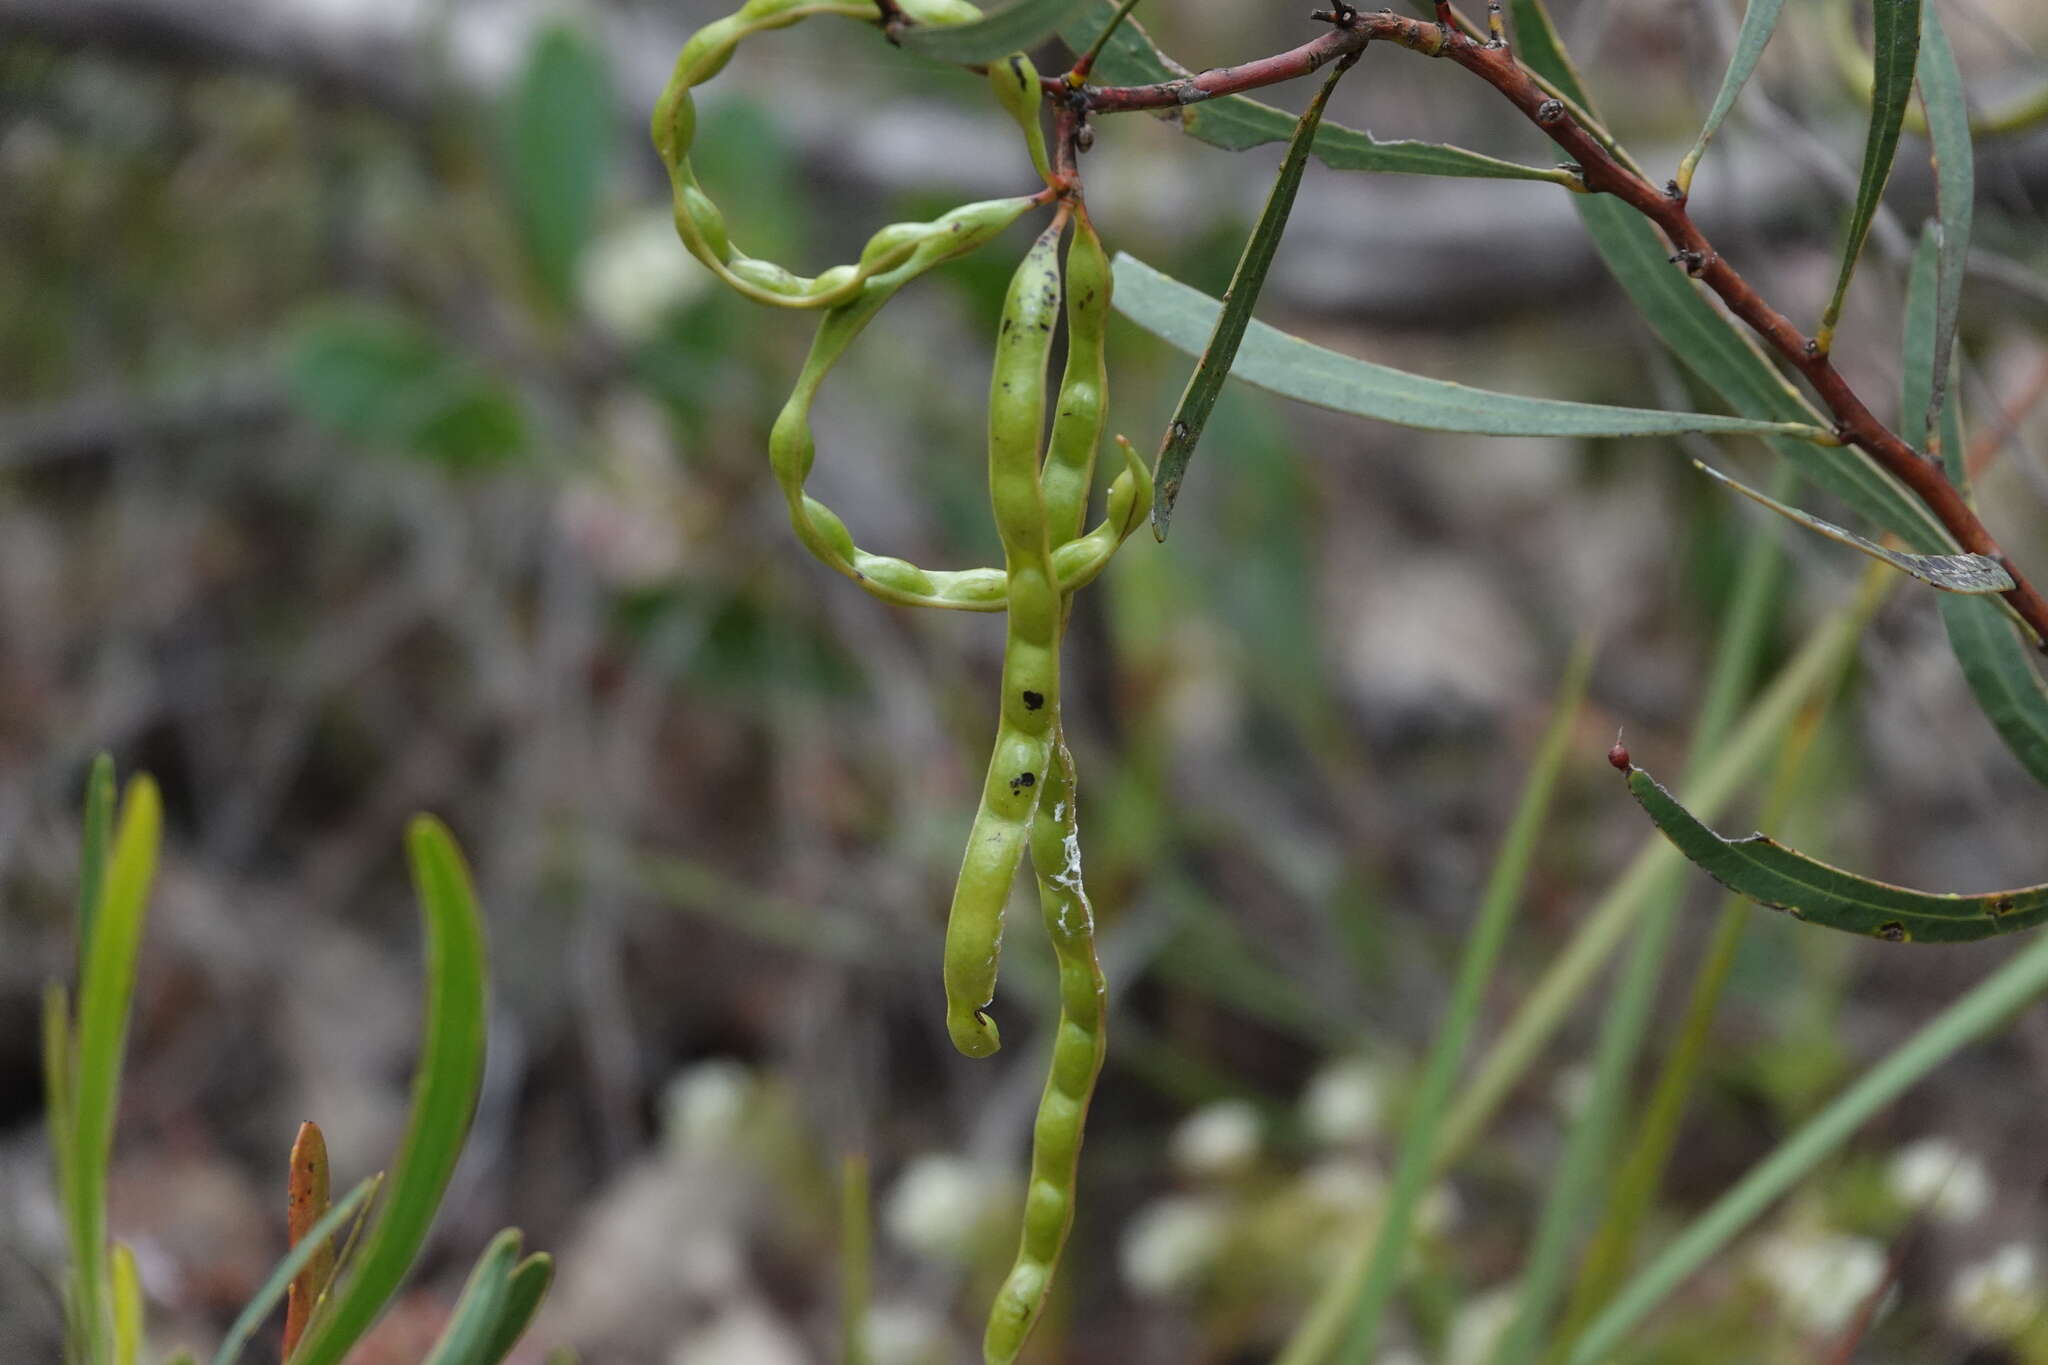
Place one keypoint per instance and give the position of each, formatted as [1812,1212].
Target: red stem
[1602,174]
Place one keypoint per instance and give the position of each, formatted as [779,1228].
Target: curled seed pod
[1015,83]
[1010,793]
[698,222]
[1130,501]
[938,13]
[1077,1050]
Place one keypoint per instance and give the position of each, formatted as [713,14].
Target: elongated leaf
[1759,21]
[558,144]
[1999,668]
[127,1286]
[1016,26]
[1379,1270]
[1955,185]
[1897,40]
[1770,874]
[1983,1009]
[1235,122]
[318,1236]
[528,1286]
[1184,317]
[1974,574]
[105,997]
[473,1324]
[1198,399]
[445,1087]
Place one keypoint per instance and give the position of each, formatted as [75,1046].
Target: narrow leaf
[1955,188]
[1974,574]
[127,1285]
[558,142]
[473,1325]
[1897,45]
[1013,28]
[1999,667]
[306,1201]
[1184,317]
[1759,21]
[1236,122]
[856,1259]
[1983,1009]
[104,1000]
[1198,400]
[1771,874]
[523,1294]
[445,1088]
[319,1234]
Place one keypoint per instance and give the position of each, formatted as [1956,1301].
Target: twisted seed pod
[1082,408]
[1030,699]
[1077,1050]
[698,221]
[793,450]
[1015,83]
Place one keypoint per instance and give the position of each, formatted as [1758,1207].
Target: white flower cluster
[1819,1278]
[1998,1298]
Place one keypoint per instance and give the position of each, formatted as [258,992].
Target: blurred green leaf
[445,1088]
[1897,39]
[383,380]
[273,1289]
[105,997]
[1236,122]
[1759,21]
[1969,574]
[497,1303]
[92,862]
[1016,26]
[127,1285]
[1198,399]
[558,139]
[1999,667]
[1984,1008]
[1184,317]
[1784,879]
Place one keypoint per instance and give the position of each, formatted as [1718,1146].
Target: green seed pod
[1030,689]
[938,13]
[708,221]
[838,278]
[1015,83]
[831,528]
[765,275]
[891,246]
[899,575]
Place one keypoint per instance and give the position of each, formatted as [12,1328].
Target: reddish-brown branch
[1603,174]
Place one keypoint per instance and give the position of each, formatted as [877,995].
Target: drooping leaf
[383,380]
[1016,26]
[559,123]
[1897,49]
[318,1235]
[1955,187]
[2000,669]
[1771,874]
[1973,574]
[1198,400]
[1721,352]
[445,1087]
[1236,122]
[1759,21]
[1184,317]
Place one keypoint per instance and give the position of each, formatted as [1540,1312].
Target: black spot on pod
[1023,780]
[1891,931]
[1033,700]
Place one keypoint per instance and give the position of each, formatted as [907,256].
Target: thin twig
[1604,173]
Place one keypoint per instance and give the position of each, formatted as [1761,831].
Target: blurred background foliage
[367,443]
